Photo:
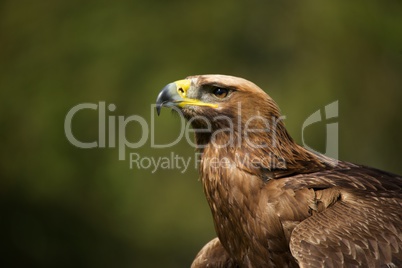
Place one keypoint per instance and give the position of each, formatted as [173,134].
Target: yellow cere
[182,88]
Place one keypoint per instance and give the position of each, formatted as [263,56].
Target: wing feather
[213,255]
[345,236]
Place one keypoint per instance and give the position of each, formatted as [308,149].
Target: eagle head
[217,99]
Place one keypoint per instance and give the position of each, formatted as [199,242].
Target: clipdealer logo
[107,127]
[110,129]
[112,134]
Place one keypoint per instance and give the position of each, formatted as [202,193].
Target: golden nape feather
[274,203]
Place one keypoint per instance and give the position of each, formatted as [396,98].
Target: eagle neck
[269,155]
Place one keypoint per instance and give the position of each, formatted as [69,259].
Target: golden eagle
[274,203]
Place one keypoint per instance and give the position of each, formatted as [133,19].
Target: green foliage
[66,206]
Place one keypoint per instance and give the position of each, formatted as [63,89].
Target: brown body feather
[280,205]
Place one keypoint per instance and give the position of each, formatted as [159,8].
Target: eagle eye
[220,92]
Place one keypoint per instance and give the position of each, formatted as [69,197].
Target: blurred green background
[62,206]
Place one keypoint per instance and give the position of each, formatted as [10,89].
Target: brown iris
[220,92]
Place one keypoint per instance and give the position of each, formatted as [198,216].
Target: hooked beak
[175,94]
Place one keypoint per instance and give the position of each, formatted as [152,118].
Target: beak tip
[165,97]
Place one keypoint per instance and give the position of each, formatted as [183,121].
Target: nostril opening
[181,90]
